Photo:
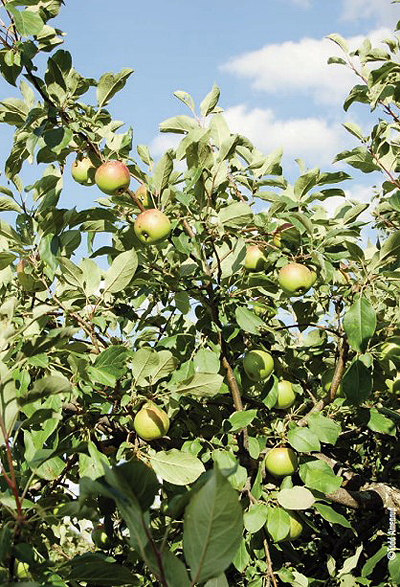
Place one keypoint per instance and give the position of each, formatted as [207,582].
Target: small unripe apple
[151,422]
[258,365]
[281,461]
[254,259]
[286,396]
[326,381]
[152,226]
[142,194]
[83,171]
[112,177]
[296,279]
[296,528]
[100,537]
[285,235]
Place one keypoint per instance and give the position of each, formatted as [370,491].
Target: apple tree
[200,370]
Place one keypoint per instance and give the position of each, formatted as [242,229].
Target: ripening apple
[100,537]
[83,170]
[286,396]
[152,226]
[258,364]
[296,279]
[142,194]
[151,422]
[112,177]
[254,259]
[296,528]
[281,461]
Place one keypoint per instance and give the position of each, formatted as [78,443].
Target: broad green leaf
[242,557]
[121,271]
[228,465]
[178,124]
[331,515]
[390,250]
[109,84]
[318,475]
[92,465]
[373,561]
[144,364]
[338,39]
[91,567]
[295,498]
[357,383]
[176,467]
[144,154]
[306,182]
[248,321]
[255,517]
[220,581]
[206,361]
[379,423]
[6,259]
[278,523]
[7,205]
[394,567]
[166,365]
[174,570]
[324,428]
[27,23]
[303,439]
[162,172]
[239,420]
[213,528]
[185,98]
[201,385]
[235,215]
[359,324]
[210,101]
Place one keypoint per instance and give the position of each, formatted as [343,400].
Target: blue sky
[267,56]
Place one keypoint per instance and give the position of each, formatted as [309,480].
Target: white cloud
[382,11]
[299,66]
[359,193]
[162,142]
[311,138]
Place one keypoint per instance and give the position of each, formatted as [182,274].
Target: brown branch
[270,570]
[10,478]
[136,200]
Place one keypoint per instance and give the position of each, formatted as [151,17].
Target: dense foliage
[96,324]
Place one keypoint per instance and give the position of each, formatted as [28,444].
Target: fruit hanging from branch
[112,177]
[296,279]
[83,171]
[152,226]
[258,365]
[151,422]
[281,461]
[255,259]
[286,396]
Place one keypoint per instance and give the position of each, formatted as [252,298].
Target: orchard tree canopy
[200,371]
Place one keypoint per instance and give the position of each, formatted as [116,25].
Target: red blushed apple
[152,226]
[112,177]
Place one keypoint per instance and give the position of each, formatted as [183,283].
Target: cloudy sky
[267,56]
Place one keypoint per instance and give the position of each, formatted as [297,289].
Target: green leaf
[239,420]
[201,385]
[144,364]
[213,528]
[174,570]
[331,515]
[7,205]
[163,171]
[379,423]
[357,383]
[318,475]
[295,498]
[235,215]
[176,467]
[185,98]
[248,321]
[92,568]
[109,84]
[178,124]
[390,250]
[121,271]
[306,182]
[206,361]
[210,101]
[278,523]
[324,428]
[229,466]
[394,568]
[255,517]
[359,324]
[338,39]
[220,581]
[354,129]
[144,154]
[166,365]
[303,439]
[27,23]
[242,557]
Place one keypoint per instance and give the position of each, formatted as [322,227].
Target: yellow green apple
[296,279]
[152,226]
[254,259]
[281,461]
[142,194]
[83,170]
[258,364]
[296,527]
[286,396]
[112,177]
[151,422]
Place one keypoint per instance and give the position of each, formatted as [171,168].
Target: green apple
[151,422]
[296,279]
[112,177]
[152,226]
[258,365]
[326,381]
[286,396]
[100,537]
[83,170]
[285,235]
[296,527]
[281,461]
[254,259]
[142,194]
[22,571]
